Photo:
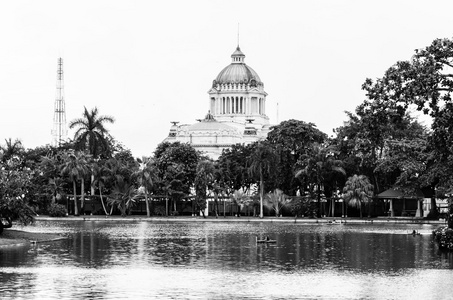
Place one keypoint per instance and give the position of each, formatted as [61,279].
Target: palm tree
[101,176]
[91,135]
[358,190]
[11,149]
[239,198]
[50,169]
[276,201]
[75,166]
[123,195]
[317,166]
[261,164]
[146,175]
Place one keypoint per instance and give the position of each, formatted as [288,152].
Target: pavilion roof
[393,194]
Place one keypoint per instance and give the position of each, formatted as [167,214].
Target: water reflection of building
[237,111]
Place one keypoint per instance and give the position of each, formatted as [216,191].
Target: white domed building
[237,112]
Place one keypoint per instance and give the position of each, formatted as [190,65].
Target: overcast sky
[147,63]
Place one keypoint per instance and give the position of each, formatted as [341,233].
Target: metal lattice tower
[59,132]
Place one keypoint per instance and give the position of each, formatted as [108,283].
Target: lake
[221,260]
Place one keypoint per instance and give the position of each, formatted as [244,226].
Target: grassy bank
[11,237]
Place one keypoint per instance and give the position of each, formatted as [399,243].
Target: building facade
[237,111]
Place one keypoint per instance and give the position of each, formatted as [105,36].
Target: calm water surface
[220,260]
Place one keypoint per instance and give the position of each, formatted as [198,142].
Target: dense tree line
[297,167]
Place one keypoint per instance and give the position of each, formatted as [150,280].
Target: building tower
[59,131]
[237,94]
[236,112]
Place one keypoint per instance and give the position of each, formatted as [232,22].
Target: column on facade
[418,214]
[219,103]
[247,105]
[392,214]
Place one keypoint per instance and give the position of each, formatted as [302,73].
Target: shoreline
[13,237]
[325,220]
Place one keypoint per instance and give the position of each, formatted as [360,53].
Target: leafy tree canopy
[176,165]
[295,136]
[292,139]
[232,166]
[426,82]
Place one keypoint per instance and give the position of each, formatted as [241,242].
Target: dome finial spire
[238,56]
[238,35]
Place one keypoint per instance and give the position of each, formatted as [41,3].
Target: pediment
[254,90]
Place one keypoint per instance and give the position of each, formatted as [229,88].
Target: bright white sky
[147,63]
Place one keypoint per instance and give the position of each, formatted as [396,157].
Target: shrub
[57,210]
[159,210]
[303,206]
[444,237]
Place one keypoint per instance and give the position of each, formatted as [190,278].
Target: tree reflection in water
[340,256]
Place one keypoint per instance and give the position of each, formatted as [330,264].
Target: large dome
[238,71]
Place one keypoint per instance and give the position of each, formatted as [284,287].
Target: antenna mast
[59,131]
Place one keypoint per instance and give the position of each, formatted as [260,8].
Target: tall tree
[261,163]
[146,175]
[117,174]
[291,139]
[204,182]
[233,167]
[426,82]
[319,167]
[176,165]
[92,136]
[102,175]
[405,160]
[75,166]
[366,141]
